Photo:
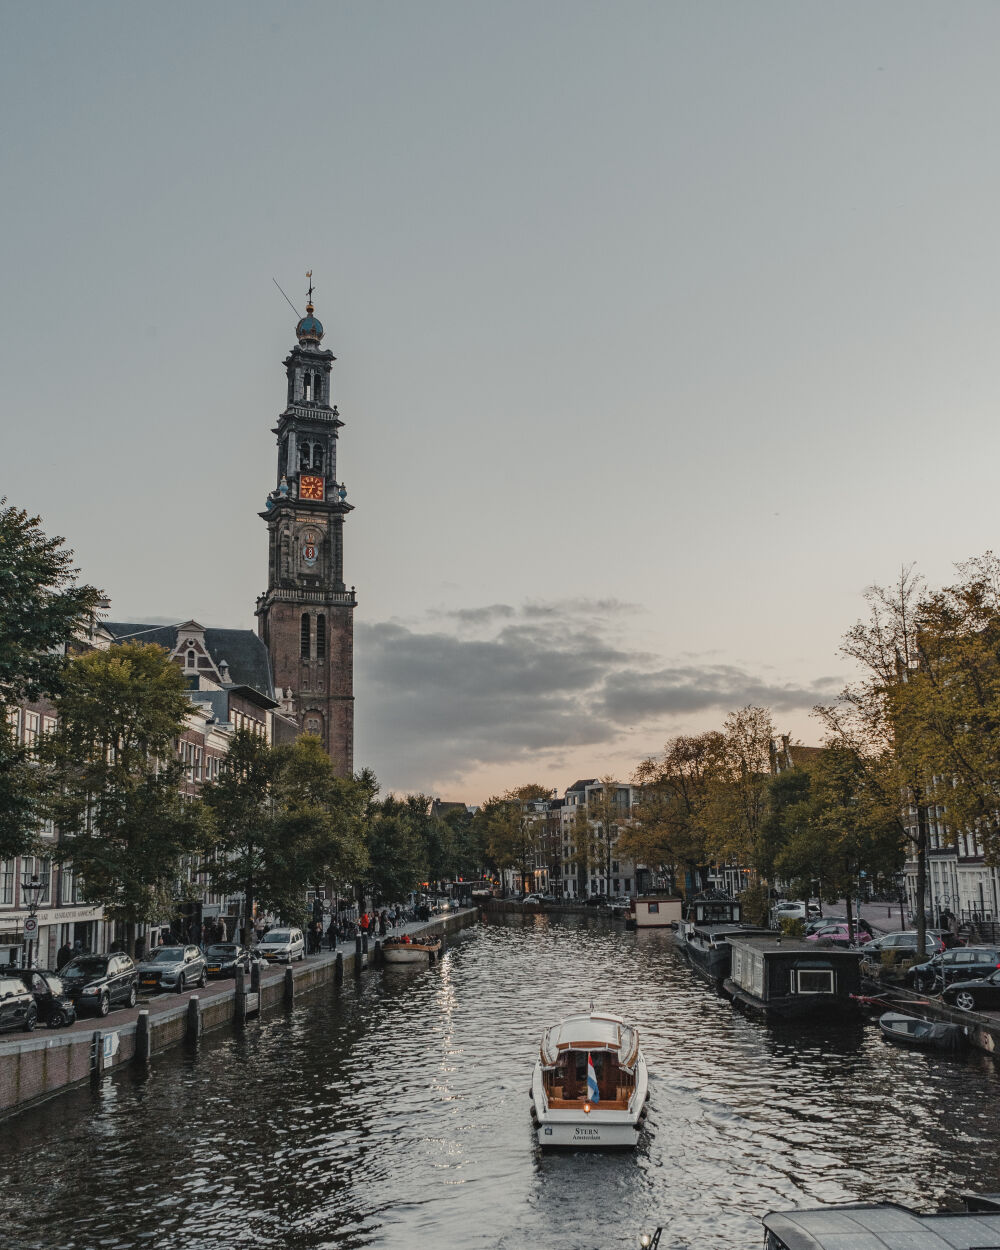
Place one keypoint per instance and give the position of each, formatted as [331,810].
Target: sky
[663,330]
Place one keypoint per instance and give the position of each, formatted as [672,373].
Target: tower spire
[309,296]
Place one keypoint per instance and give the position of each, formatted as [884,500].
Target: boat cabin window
[653,908]
[813,980]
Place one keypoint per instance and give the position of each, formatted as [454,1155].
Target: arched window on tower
[304,456]
[304,637]
[318,387]
[317,455]
[321,637]
[307,387]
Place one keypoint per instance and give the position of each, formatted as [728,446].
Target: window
[304,637]
[14,721]
[31,722]
[320,637]
[304,456]
[317,456]
[813,980]
[653,908]
[307,387]
[190,660]
[6,883]
[43,869]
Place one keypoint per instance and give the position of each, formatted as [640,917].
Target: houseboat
[789,978]
[407,950]
[884,1224]
[590,1085]
[708,950]
[654,911]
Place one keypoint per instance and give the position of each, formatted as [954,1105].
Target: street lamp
[31,890]
[901,893]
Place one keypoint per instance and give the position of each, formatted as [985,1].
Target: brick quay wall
[35,1066]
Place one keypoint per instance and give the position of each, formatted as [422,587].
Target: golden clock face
[310,487]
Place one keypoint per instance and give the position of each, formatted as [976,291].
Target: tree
[398,834]
[676,793]
[878,719]
[283,822]
[113,779]
[509,828]
[40,607]
[738,801]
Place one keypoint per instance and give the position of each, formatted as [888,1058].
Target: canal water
[394,1113]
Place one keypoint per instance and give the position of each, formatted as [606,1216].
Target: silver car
[282,945]
[172,968]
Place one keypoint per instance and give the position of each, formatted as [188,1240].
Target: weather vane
[309,275]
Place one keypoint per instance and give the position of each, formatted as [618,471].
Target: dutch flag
[592,1091]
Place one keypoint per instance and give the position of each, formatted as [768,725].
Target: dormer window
[190,659]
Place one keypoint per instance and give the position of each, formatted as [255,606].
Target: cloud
[533,683]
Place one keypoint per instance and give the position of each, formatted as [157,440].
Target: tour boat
[419,950]
[590,1084]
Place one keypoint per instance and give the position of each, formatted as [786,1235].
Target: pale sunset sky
[663,329]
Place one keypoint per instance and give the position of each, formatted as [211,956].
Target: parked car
[842,934]
[281,946]
[532,898]
[55,1007]
[17,1003]
[222,959]
[99,982]
[982,994]
[902,944]
[173,968]
[963,963]
[792,911]
[596,900]
[817,922]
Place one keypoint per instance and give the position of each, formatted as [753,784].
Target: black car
[17,1003]
[55,1007]
[222,959]
[99,982]
[980,995]
[963,963]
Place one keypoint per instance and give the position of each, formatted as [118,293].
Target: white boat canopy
[593,1031]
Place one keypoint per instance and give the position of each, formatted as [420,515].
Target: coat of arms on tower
[310,547]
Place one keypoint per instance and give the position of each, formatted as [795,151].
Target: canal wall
[36,1066]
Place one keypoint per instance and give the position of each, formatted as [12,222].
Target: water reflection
[394,1112]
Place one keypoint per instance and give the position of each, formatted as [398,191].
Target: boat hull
[411,954]
[918,1034]
[791,1006]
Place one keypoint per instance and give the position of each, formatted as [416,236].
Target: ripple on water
[395,1113]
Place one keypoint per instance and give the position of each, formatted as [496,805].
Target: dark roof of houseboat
[887,1227]
[776,943]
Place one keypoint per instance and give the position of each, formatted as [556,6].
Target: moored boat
[407,950]
[884,1224]
[590,1083]
[708,948]
[789,978]
[921,1034]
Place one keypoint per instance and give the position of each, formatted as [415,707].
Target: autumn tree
[113,779]
[41,607]
[510,828]
[676,796]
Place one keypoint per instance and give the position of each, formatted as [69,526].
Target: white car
[281,946]
[792,911]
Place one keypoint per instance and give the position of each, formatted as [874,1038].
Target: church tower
[306,616]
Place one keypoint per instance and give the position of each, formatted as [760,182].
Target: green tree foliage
[399,833]
[739,790]
[283,822]
[113,778]
[40,607]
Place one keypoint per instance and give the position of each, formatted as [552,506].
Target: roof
[581,785]
[776,943]
[245,653]
[885,1227]
[593,1030]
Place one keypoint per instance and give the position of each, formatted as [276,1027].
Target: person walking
[64,956]
[331,933]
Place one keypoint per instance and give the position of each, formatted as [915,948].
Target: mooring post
[357,956]
[338,969]
[240,1004]
[377,959]
[289,986]
[255,978]
[96,1054]
[193,1031]
[143,1041]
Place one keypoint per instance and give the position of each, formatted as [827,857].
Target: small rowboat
[416,951]
[922,1034]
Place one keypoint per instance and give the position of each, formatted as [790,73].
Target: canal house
[790,977]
